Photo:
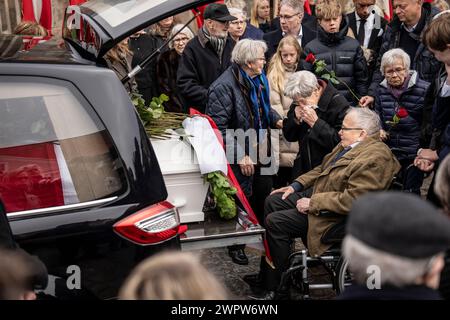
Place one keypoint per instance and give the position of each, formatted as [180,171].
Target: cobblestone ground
[219,263]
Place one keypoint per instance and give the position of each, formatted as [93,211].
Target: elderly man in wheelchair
[317,202]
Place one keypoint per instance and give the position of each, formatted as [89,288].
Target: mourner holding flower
[399,102]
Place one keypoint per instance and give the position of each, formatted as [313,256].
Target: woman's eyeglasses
[396,71]
[185,39]
[349,129]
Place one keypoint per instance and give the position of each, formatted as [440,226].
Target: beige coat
[280,103]
[367,167]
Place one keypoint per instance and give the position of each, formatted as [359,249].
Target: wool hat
[399,223]
[218,12]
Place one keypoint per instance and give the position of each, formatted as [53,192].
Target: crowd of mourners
[355,102]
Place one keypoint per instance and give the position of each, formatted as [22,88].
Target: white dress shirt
[368,27]
[299,36]
[445,91]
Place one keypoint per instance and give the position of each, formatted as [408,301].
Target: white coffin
[185,186]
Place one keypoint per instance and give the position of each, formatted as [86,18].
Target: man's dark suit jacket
[273,39]
[374,41]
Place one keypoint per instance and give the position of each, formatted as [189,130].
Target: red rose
[402,113]
[310,58]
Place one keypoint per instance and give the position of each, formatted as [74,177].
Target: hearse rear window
[117,12]
[53,152]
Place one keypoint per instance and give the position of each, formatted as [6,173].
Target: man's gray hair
[246,51]
[301,83]
[185,30]
[236,11]
[390,56]
[394,270]
[297,5]
[442,183]
[366,119]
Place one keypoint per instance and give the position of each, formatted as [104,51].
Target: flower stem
[345,84]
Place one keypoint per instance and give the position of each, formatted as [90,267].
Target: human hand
[286,191]
[428,154]
[247,166]
[298,113]
[423,164]
[303,205]
[383,135]
[279,124]
[366,101]
[309,115]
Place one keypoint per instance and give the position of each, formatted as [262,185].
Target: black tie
[340,155]
[361,31]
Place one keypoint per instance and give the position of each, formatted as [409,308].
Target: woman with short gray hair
[313,120]
[247,51]
[238,101]
[167,68]
[399,100]
[239,29]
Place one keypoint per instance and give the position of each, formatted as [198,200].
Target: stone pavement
[230,274]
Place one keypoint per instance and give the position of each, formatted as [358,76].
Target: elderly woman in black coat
[167,68]
[400,101]
[314,119]
[238,102]
[341,53]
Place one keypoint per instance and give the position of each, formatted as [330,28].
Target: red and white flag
[39,11]
[386,9]
[76,2]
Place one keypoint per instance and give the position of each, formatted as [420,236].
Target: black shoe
[253,280]
[238,256]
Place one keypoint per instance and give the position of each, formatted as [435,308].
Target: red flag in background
[39,11]
[76,2]
[386,9]
[307,8]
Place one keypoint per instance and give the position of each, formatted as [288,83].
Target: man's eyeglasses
[396,71]
[288,17]
[349,129]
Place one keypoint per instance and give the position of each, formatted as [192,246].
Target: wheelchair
[336,266]
[296,277]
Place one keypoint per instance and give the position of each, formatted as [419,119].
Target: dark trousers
[412,177]
[283,223]
[256,189]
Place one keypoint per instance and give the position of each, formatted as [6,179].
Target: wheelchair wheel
[343,276]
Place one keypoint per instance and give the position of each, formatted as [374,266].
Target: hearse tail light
[155,224]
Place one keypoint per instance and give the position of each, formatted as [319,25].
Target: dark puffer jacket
[343,55]
[424,61]
[440,140]
[406,134]
[230,107]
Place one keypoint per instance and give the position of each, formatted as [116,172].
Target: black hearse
[78,175]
